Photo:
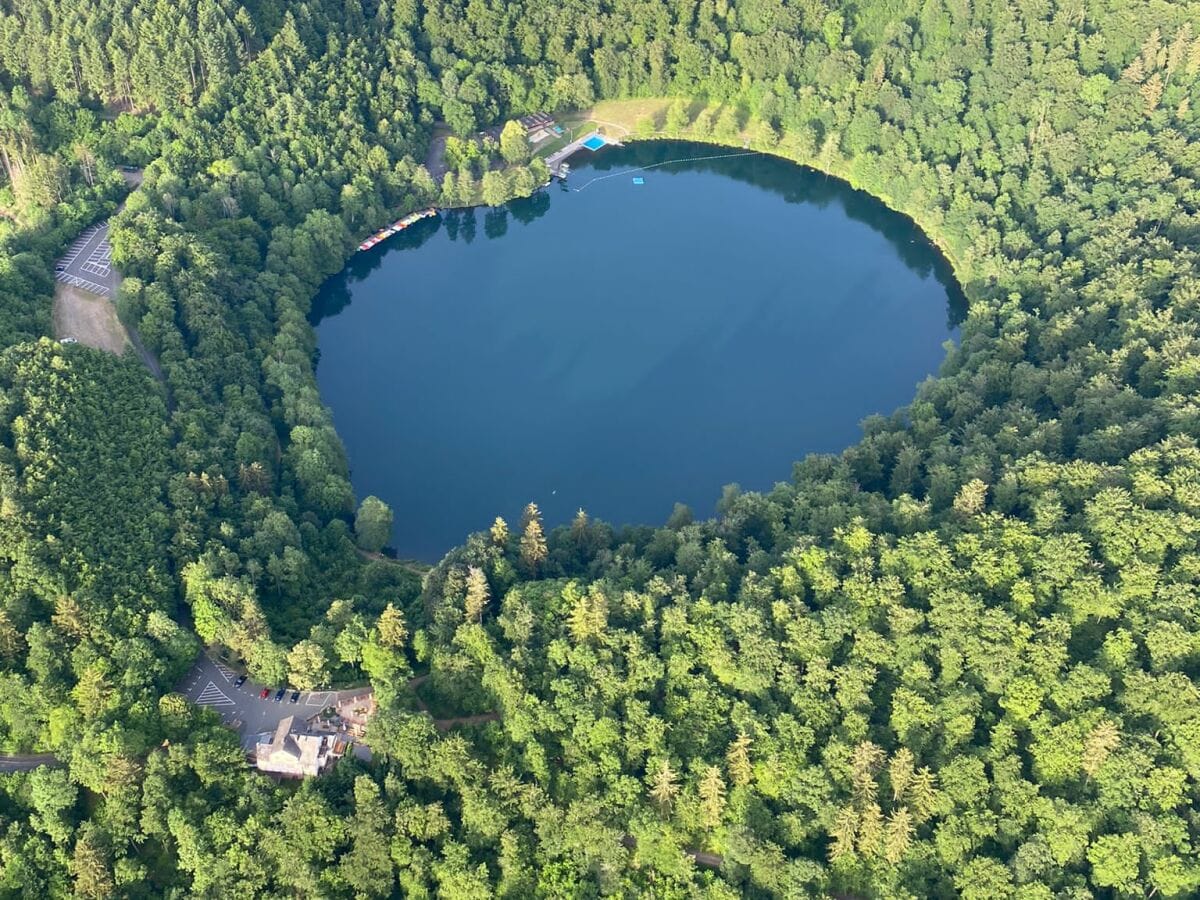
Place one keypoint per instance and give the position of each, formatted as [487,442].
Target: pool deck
[556,160]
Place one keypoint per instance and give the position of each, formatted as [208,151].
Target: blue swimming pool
[595,142]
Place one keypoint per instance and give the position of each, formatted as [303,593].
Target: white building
[292,751]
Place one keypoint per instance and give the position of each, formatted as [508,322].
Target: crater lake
[621,347]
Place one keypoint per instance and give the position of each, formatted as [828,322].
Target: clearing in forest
[90,319]
[619,118]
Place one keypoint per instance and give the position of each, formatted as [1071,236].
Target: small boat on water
[396,227]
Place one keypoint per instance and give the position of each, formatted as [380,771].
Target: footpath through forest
[27,762]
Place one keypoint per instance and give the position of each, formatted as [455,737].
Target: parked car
[264,693]
[295,696]
[279,694]
[241,680]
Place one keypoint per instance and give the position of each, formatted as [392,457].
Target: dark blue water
[620,348]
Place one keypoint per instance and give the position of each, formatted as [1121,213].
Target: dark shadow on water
[468,225]
[792,182]
[335,294]
[495,223]
[532,208]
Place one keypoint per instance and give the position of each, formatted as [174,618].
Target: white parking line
[226,672]
[76,281]
[320,699]
[213,696]
[100,254]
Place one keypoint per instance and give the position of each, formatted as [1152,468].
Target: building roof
[292,750]
[535,120]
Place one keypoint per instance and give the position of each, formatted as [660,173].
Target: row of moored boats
[399,225]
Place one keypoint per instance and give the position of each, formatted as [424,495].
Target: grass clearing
[620,118]
[552,146]
[647,117]
[89,319]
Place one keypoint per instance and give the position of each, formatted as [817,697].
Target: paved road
[28,762]
[211,684]
[87,263]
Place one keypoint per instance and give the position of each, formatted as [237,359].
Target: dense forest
[958,660]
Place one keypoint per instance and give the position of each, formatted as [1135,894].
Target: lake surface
[621,347]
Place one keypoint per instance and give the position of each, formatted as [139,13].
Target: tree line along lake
[624,347]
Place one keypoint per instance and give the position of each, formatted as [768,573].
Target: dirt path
[709,860]
[151,363]
[613,125]
[712,860]
[420,569]
[434,159]
[28,762]
[454,722]
[88,319]
[461,721]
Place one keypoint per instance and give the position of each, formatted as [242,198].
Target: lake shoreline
[545,309]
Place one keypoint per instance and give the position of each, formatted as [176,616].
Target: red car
[264,693]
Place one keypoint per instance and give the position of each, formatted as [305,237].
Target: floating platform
[395,228]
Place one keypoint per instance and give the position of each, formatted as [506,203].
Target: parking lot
[212,684]
[87,264]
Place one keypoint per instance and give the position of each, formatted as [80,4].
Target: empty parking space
[100,261]
[87,264]
[90,286]
[77,246]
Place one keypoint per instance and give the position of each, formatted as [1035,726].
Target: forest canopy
[959,659]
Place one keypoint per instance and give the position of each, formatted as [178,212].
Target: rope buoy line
[665,163]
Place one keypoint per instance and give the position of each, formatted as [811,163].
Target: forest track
[435,161]
[463,721]
[453,721]
[150,361]
[708,860]
[27,762]
[420,569]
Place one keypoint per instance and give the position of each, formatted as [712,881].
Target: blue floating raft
[639,180]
